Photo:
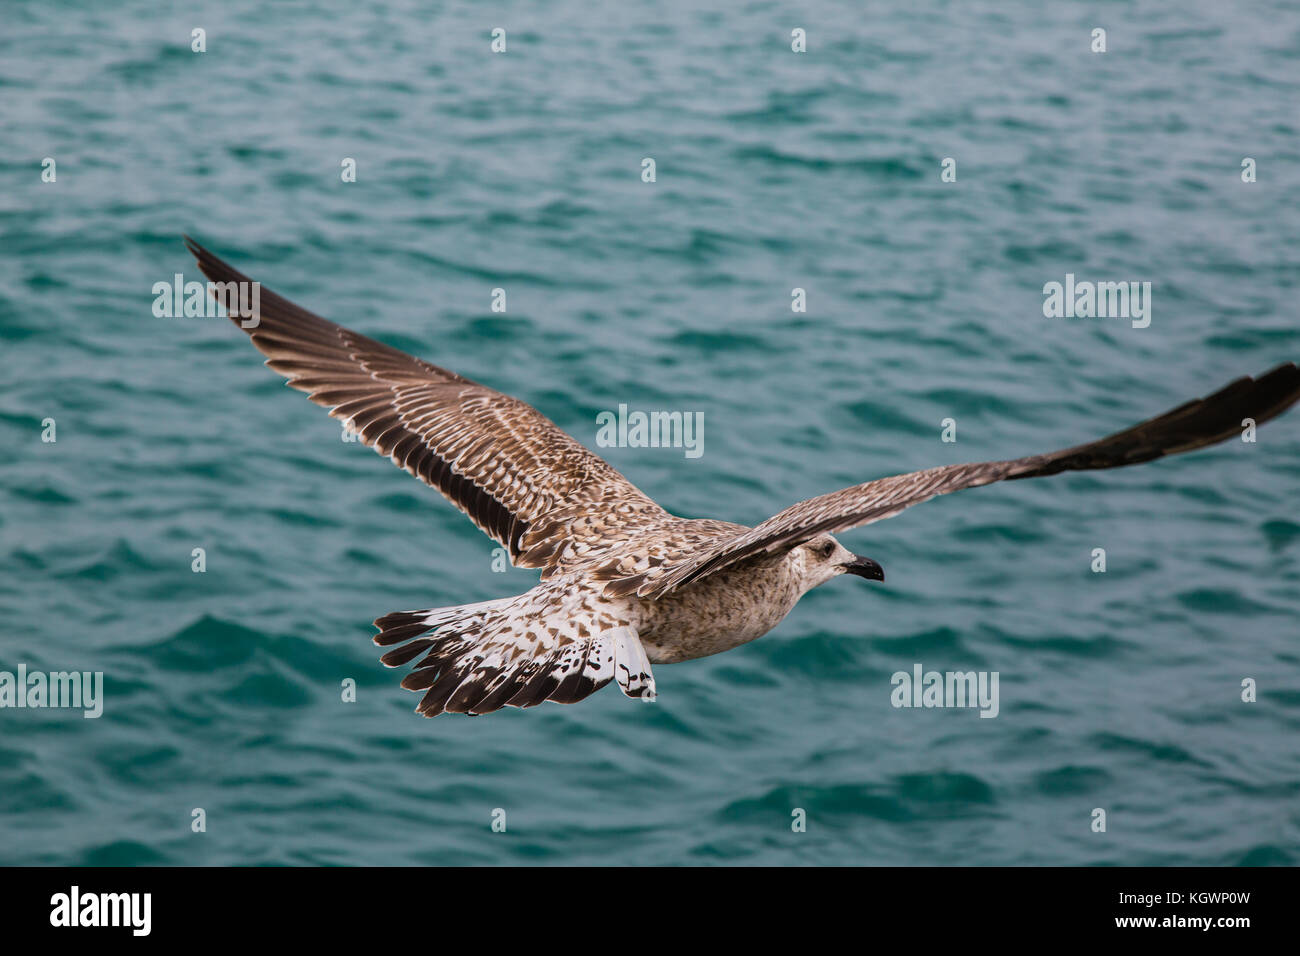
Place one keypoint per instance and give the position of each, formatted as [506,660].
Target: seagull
[624,584]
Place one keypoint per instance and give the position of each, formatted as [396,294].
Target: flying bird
[624,584]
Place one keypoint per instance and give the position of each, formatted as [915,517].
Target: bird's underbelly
[715,614]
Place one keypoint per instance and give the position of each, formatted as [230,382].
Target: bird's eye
[827,549]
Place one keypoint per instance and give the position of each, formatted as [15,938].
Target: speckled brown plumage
[624,583]
[496,458]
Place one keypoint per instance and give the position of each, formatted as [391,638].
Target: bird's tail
[481,657]
[400,626]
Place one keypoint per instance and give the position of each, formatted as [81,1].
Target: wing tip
[193,247]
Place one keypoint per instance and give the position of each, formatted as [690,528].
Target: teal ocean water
[774,171]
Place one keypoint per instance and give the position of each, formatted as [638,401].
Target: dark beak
[865,568]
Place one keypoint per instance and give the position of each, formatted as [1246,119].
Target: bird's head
[824,558]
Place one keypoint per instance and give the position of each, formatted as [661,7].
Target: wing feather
[497,459]
[1193,425]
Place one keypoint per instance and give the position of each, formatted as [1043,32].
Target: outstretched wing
[499,460]
[1194,425]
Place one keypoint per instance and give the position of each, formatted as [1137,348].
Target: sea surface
[774,171]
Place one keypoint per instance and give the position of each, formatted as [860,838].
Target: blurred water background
[775,170]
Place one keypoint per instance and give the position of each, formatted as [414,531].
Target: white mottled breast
[719,611]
